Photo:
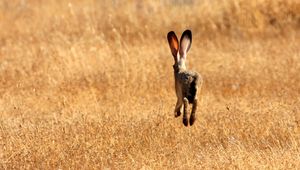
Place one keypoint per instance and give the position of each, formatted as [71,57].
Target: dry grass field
[89,84]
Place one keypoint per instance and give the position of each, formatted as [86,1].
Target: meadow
[90,85]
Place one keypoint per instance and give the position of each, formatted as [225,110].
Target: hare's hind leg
[198,83]
[185,110]
[194,109]
[178,106]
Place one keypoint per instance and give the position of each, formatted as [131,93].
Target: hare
[187,83]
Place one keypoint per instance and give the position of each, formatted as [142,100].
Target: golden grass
[89,85]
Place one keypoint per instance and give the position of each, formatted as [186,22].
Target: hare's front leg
[178,106]
[194,109]
[185,110]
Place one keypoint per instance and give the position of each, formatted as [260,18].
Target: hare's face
[179,66]
[179,51]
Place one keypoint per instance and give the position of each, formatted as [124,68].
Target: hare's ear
[185,43]
[173,43]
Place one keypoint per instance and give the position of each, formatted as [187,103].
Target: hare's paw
[192,119]
[177,113]
[185,121]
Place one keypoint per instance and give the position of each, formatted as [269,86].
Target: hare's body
[187,83]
